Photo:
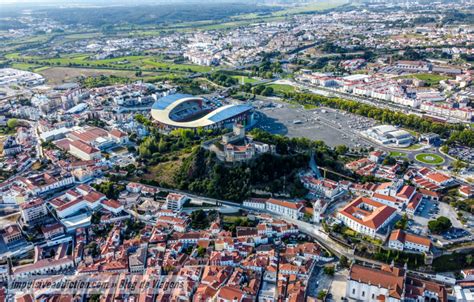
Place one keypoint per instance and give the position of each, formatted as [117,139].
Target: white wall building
[366,216]
[284,208]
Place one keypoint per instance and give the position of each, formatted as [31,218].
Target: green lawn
[397,154]
[128,62]
[429,158]
[281,88]
[246,79]
[432,79]
[309,106]
[233,218]
[414,147]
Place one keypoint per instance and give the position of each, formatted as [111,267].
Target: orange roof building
[401,240]
[371,284]
[366,216]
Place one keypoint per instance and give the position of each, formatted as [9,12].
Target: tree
[329,270]
[201,251]
[341,149]
[402,223]
[12,123]
[469,259]
[439,225]
[322,294]
[268,91]
[343,261]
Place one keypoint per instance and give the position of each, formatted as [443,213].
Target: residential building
[33,211]
[175,201]
[11,234]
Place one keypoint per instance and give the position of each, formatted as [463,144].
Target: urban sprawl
[296,154]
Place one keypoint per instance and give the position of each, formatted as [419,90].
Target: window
[353,291]
[373,296]
[363,294]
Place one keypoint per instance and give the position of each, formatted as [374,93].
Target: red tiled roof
[406,192]
[404,237]
[286,204]
[391,278]
[84,147]
[117,133]
[438,177]
[370,219]
[111,203]
[33,203]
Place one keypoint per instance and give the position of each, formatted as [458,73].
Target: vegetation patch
[429,158]
[397,154]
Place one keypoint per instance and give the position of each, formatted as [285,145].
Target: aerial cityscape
[237,151]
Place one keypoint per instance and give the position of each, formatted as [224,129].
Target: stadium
[187,111]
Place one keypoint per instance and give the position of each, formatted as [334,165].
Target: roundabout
[429,158]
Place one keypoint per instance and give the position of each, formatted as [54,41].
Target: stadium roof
[165,101]
[162,108]
[229,112]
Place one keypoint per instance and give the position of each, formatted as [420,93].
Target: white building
[374,285]
[284,208]
[81,198]
[256,203]
[322,187]
[112,206]
[400,240]
[389,135]
[45,182]
[175,201]
[44,267]
[33,210]
[366,216]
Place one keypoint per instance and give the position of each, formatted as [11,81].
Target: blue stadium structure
[187,111]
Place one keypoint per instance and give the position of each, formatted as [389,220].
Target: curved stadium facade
[187,111]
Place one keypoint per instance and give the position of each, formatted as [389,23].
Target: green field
[281,88]
[397,154]
[429,158]
[150,63]
[246,79]
[313,7]
[431,79]
[413,147]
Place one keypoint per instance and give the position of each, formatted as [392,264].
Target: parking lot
[463,153]
[429,210]
[329,125]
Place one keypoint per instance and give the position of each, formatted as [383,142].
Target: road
[364,99]
[304,227]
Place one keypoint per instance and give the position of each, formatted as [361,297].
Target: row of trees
[222,79]
[454,133]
